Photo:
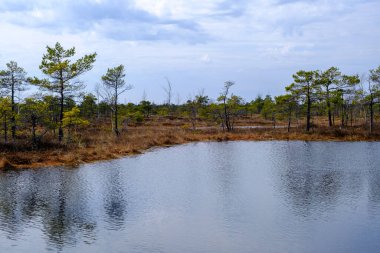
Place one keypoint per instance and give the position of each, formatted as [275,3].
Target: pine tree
[62,74]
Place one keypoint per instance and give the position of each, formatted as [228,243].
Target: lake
[202,197]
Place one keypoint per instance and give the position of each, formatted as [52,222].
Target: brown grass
[98,143]
[5,164]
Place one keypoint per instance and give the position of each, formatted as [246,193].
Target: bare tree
[144,96]
[169,92]
[223,98]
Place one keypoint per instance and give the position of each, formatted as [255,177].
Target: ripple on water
[201,197]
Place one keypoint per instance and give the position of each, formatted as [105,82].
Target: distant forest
[61,108]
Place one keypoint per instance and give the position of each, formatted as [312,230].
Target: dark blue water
[204,197]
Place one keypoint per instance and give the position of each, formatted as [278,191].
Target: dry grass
[98,143]
[5,164]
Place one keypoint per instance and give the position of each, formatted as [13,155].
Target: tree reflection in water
[234,195]
[50,198]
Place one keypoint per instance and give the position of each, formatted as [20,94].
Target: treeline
[61,108]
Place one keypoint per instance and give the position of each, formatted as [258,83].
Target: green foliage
[35,113]
[88,107]
[5,106]
[145,107]
[333,83]
[137,117]
[34,110]
[268,109]
[374,82]
[330,77]
[216,113]
[72,118]
[52,103]
[61,71]
[202,100]
[223,98]
[285,105]
[5,114]
[12,79]
[304,86]
[375,76]
[114,84]
[114,78]
[69,103]
[255,106]
[195,108]
[163,111]
[58,66]
[312,93]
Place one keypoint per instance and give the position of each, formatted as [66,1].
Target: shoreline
[141,140]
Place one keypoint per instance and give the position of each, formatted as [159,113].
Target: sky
[197,45]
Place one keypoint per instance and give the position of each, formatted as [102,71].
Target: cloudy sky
[197,44]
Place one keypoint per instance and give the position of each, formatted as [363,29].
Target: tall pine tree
[62,74]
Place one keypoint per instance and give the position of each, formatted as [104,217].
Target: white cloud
[206,58]
[268,40]
[179,9]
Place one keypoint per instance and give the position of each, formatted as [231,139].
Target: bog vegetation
[63,114]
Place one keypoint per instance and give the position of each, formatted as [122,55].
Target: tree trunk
[116,114]
[34,139]
[352,116]
[308,116]
[342,116]
[5,129]
[289,120]
[193,117]
[13,119]
[371,115]
[333,117]
[222,119]
[60,130]
[112,127]
[328,106]
[226,116]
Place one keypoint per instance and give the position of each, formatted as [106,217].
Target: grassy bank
[98,143]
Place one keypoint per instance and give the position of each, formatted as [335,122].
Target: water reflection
[66,218]
[373,164]
[310,190]
[206,197]
[114,202]
[223,157]
[52,201]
